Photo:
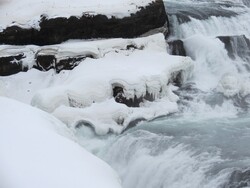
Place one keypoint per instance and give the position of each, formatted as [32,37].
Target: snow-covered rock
[54,21]
[62,56]
[140,68]
[87,93]
[36,150]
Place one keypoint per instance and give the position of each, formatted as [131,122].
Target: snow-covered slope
[29,12]
[35,152]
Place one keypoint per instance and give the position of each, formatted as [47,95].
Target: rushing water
[207,144]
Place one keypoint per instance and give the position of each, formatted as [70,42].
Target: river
[205,144]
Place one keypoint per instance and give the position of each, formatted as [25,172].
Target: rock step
[58,30]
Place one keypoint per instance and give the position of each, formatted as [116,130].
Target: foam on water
[181,151]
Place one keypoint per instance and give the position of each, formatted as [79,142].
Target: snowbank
[29,12]
[35,152]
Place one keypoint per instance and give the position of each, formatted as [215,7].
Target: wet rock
[242,102]
[57,30]
[239,179]
[237,46]
[118,94]
[177,78]
[47,59]
[45,62]
[176,47]
[69,63]
[133,124]
[11,64]
[228,45]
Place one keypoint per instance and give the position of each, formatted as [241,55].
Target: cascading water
[206,144]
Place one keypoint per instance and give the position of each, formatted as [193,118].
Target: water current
[207,143]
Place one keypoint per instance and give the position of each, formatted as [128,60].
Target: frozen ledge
[121,87]
[65,56]
[124,80]
[47,28]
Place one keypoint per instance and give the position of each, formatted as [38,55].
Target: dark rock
[237,46]
[19,36]
[45,62]
[239,179]
[176,78]
[228,45]
[11,65]
[242,102]
[176,47]
[133,124]
[69,63]
[118,94]
[57,30]
[46,59]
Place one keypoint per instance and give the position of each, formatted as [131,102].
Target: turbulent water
[206,144]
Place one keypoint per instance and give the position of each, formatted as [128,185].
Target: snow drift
[36,151]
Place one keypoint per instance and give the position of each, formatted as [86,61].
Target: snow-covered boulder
[36,151]
[54,21]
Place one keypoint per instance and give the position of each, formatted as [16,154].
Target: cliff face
[57,30]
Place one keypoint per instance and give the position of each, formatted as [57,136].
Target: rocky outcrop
[176,47]
[58,30]
[118,94]
[238,45]
[88,26]
[43,60]
[49,60]
[11,64]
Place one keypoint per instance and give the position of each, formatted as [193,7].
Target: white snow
[36,151]
[85,94]
[26,13]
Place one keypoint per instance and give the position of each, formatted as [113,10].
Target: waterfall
[205,144]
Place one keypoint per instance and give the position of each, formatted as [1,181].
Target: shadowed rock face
[176,47]
[119,96]
[48,61]
[57,30]
[11,65]
[237,47]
